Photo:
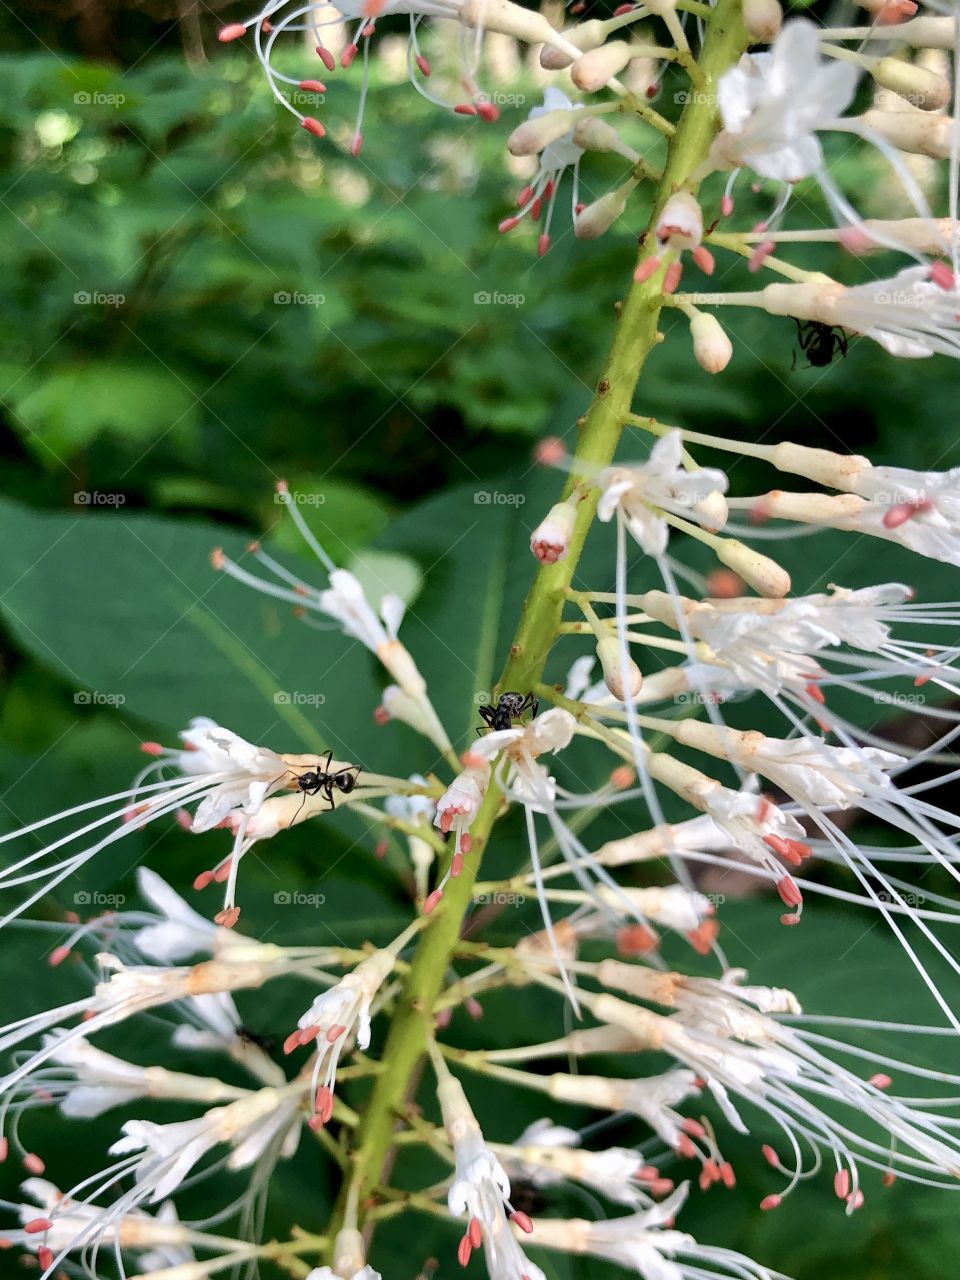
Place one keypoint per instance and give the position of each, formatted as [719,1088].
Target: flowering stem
[636,336]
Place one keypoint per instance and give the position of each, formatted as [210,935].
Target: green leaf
[128,610]
[70,407]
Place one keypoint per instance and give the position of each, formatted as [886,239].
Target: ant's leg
[300,810]
[326,763]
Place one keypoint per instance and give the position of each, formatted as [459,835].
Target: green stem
[635,338]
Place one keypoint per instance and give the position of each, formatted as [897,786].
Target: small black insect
[320,781]
[527,1198]
[820,343]
[509,707]
[266,1043]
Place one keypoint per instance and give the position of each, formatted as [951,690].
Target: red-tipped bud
[233,31]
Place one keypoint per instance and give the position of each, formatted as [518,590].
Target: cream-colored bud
[760,572]
[835,470]
[510,20]
[915,131]
[621,674]
[348,1256]
[762,19]
[586,36]
[530,138]
[711,511]
[636,848]
[594,69]
[924,89]
[600,216]
[711,346]
[593,134]
[926,32]
[681,223]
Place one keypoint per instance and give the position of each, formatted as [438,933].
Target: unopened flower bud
[530,137]
[510,20]
[915,131]
[348,1255]
[681,223]
[594,69]
[591,133]
[550,541]
[762,19]
[586,36]
[711,346]
[711,512]
[621,674]
[925,89]
[758,571]
[600,216]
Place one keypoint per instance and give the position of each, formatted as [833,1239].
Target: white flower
[336,1015]
[654,1098]
[547,132]
[181,932]
[242,774]
[821,776]
[757,827]
[346,601]
[660,482]
[528,781]
[161,1240]
[772,105]
[645,1243]
[460,803]
[921,509]
[97,1080]
[766,645]
[547,1154]
[481,1190]
[327,1273]
[910,315]
[257,1127]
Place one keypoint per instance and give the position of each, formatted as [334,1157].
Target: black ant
[320,781]
[820,343]
[509,707]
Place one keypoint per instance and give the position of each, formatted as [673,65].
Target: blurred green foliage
[199,299]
